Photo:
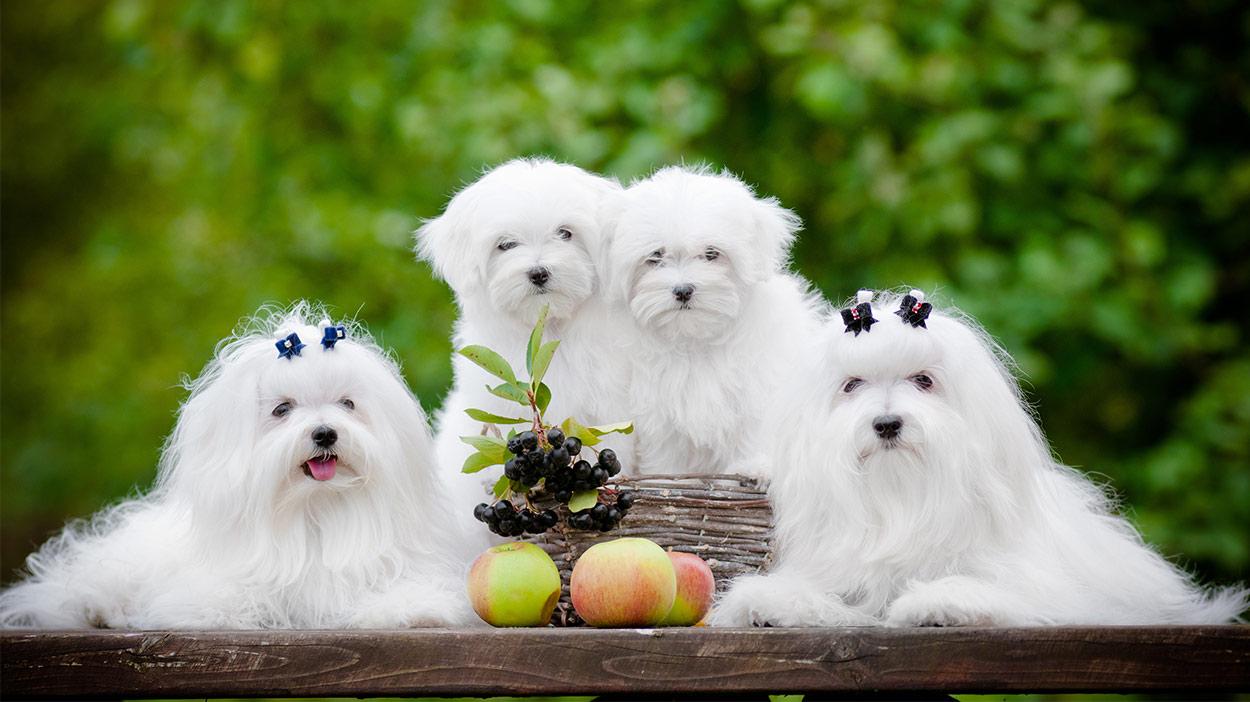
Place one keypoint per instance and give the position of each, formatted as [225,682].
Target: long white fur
[702,373]
[968,520]
[235,535]
[527,202]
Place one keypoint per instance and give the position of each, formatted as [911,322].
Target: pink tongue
[321,470]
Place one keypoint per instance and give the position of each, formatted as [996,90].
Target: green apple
[515,584]
[625,582]
[695,589]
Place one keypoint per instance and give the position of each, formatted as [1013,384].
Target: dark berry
[559,457]
[598,476]
[555,437]
[612,469]
[581,520]
[506,526]
[529,440]
[512,469]
[573,445]
[563,496]
[607,458]
[479,512]
[599,511]
[625,500]
[548,518]
[579,485]
[581,470]
[514,445]
[504,509]
[614,515]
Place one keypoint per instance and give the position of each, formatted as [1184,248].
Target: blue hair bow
[333,335]
[289,346]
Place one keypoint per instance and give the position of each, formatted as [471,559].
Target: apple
[514,584]
[624,582]
[695,589]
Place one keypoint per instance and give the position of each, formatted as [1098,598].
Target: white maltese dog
[914,488]
[699,261]
[297,490]
[527,235]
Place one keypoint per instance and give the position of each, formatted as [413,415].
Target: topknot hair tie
[913,309]
[290,346]
[859,318]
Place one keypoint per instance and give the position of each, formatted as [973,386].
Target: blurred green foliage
[1075,175]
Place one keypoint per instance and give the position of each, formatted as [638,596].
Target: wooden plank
[482,663]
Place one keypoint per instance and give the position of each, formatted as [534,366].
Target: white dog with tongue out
[297,490]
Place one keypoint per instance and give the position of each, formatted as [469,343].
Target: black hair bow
[859,318]
[914,310]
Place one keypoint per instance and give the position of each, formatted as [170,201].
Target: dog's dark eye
[711,254]
[282,409]
[852,385]
[505,245]
[922,381]
[347,404]
[655,257]
[564,233]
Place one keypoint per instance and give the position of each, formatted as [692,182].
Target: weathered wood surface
[551,661]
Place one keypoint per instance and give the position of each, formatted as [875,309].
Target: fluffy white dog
[296,490]
[699,261]
[526,235]
[914,487]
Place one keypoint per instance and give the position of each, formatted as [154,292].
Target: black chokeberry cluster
[557,464]
[505,519]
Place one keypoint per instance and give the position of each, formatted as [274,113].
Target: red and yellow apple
[624,582]
[696,587]
[514,584]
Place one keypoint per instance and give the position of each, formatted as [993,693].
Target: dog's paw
[783,601]
[415,606]
[954,601]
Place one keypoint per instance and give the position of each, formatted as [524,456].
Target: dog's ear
[777,227]
[208,454]
[613,276]
[446,242]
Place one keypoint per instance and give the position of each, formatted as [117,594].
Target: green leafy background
[1076,175]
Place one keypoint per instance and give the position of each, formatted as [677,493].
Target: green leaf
[542,398]
[583,500]
[476,462]
[619,427]
[492,447]
[510,392]
[491,361]
[536,338]
[489,418]
[542,359]
[571,427]
[501,486]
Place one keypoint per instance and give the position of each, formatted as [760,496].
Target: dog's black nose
[539,276]
[683,292]
[325,436]
[887,426]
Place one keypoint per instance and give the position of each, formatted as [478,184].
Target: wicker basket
[725,519]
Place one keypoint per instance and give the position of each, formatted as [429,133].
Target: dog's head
[930,391]
[686,245]
[525,235]
[292,410]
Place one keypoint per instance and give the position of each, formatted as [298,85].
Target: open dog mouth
[321,467]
